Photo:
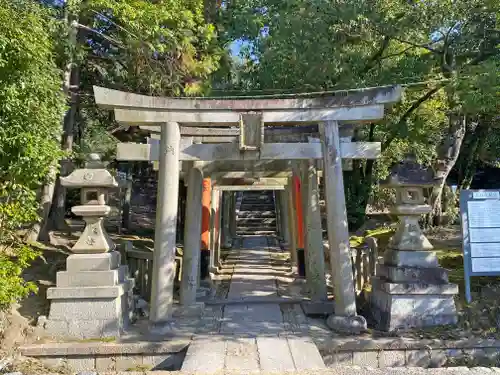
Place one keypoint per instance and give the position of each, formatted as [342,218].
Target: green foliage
[12,285]
[31,109]
[161,47]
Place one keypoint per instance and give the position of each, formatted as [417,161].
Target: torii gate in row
[250,150]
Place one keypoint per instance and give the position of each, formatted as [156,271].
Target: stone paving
[347,370]
[351,370]
[252,337]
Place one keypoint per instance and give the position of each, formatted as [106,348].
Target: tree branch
[105,37]
[426,46]
[371,62]
[445,65]
[408,112]
[396,53]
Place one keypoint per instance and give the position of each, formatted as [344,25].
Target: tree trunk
[70,87]
[59,202]
[368,175]
[40,230]
[127,198]
[358,184]
[471,156]
[447,157]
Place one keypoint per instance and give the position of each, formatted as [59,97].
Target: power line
[311,93]
[114,23]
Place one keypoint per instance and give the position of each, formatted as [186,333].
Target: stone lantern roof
[93,175]
[409,173]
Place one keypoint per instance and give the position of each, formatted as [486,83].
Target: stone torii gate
[251,115]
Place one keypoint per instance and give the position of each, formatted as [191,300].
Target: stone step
[261,231]
[255,300]
[257,193]
[250,220]
[258,200]
[258,197]
[255,227]
[205,356]
[252,355]
[254,214]
[256,218]
[251,207]
[257,208]
[258,203]
[255,224]
[255,233]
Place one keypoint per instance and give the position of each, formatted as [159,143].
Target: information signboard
[480,213]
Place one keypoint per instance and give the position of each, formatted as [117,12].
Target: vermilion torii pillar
[205,226]
[298,210]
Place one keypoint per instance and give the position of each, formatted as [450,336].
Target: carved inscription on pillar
[169,150]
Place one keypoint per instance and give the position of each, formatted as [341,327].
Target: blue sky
[238,44]
[235,47]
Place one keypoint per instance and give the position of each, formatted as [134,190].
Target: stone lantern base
[92,299]
[412,291]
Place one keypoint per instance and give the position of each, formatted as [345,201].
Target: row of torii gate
[227,138]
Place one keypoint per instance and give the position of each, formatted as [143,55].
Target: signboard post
[480,214]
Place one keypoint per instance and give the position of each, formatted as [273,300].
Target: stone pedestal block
[424,259]
[401,306]
[93,262]
[406,297]
[409,274]
[92,299]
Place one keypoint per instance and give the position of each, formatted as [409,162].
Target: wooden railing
[364,262]
[140,268]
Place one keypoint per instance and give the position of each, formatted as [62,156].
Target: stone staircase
[257,214]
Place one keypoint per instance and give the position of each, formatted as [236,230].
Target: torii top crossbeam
[349,105]
[252,115]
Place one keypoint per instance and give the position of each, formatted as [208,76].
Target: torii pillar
[345,318]
[192,233]
[206,199]
[162,285]
[297,198]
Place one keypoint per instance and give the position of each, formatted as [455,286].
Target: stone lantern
[410,289]
[92,298]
